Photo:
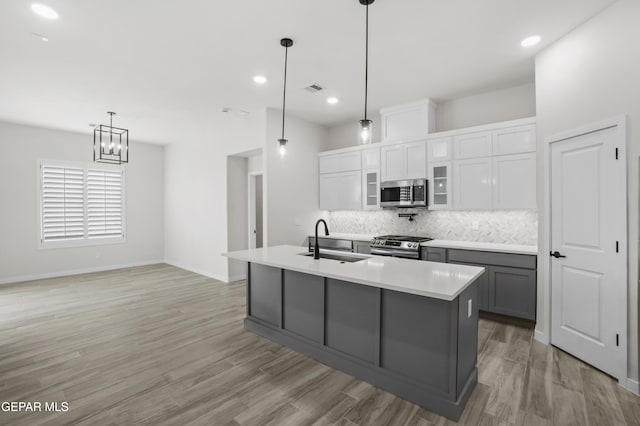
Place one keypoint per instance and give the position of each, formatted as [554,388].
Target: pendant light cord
[366,62]
[284,95]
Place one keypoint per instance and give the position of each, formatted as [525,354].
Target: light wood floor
[159,345]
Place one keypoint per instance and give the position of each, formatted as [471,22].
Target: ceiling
[164,65]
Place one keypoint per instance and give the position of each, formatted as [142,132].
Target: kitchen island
[409,327]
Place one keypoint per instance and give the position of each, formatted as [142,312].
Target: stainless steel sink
[338,257]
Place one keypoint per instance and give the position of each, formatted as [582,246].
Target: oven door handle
[391,252]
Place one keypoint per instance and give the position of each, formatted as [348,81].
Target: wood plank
[160,345]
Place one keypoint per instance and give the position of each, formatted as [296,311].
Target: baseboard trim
[541,337]
[235,278]
[196,270]
[631,385]
[25,278]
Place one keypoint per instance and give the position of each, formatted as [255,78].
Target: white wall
[22,147]
[237,212]
[196,190]
[346,134]
[590,75]
[490,107]
[292,199]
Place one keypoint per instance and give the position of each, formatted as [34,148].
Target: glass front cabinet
[371,189]
[440,197]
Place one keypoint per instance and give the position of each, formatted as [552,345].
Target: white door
[473,186]
[588,229]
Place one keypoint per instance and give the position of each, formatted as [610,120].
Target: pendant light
[110,144]
[286,43]
[364,131]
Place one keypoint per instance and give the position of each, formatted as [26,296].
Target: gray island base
[419,348]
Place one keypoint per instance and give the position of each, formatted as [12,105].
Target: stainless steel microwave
[404,193]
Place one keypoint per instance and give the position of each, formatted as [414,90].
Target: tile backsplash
[508,226]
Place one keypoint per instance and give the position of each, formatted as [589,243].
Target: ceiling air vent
[314,88]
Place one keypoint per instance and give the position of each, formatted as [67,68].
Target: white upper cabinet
[439,149]
[371,189]
[514,181]
[408,122]
[416,160]
[341,162]
[341,191]
[403,161]
[440,184]
[473,184]
[392,162]
[371,158]
[514,140]
[473,145]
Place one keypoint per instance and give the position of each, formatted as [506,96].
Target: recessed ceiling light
[333,100]
[530,41]
[44,11]
[40,36]
[260,79]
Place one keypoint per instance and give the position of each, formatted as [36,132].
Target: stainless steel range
[397,246]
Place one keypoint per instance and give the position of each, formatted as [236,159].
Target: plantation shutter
[62,203]
[104,203]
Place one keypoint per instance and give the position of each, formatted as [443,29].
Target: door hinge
[617,247]
[616,153]
[617,340]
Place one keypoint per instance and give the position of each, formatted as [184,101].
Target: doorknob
[556,254]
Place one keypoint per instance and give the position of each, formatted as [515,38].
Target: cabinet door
[342,162]
[406,124]
[329,163]
[512,291]
[392,163]
[350,191]
[361,247]
[434,254]
[371,158]
[440,184]
[514,140]
[350,161]
[515,181]
[483,286]
[439,149]
[473,184]
[416,160]
[472,145]
[329,187]
[370,189]
[341,191]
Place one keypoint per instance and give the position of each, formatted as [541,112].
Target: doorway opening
[256,204]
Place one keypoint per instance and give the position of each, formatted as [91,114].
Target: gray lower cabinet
[420,348]
[434,254]
[512,291]
[508,286]
[361,247]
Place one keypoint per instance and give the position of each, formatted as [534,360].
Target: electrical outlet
[469,308]
[475,225]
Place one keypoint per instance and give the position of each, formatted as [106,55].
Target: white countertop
[495,247]
[344,236]
[438,280]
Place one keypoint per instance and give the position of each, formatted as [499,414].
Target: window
[80,204]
